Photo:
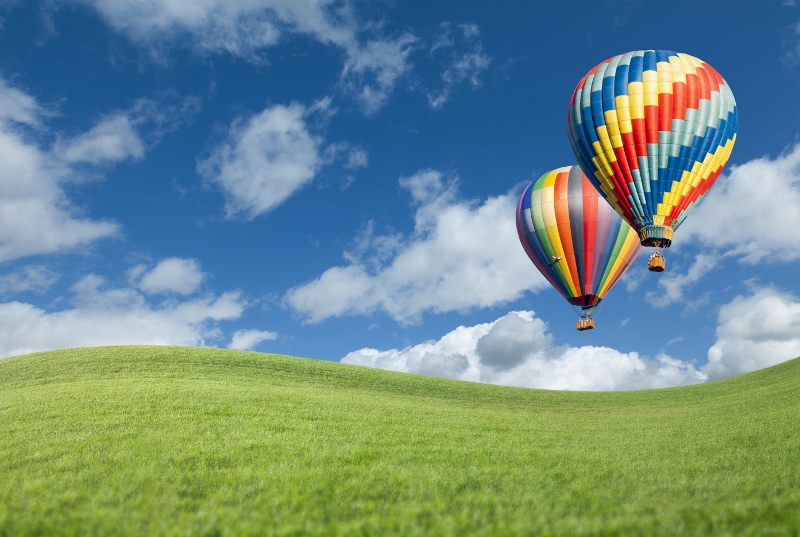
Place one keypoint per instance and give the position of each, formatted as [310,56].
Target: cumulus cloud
[461,255]
[754,332]
[517,350]
[466,60]
[264,160]
[103,315]
[248,339]
[755,224]
[35,215]
[171,275]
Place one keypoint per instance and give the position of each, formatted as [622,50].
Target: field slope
[177,441]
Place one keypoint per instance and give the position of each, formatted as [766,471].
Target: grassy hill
[177,441]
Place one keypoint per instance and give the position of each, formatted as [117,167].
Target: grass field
[188,441]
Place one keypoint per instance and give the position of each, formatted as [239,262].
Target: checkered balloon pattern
[652,130]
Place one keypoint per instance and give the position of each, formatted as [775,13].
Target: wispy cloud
[33,278]
[373,63]
[373,69]
[127,134]
[673,285]
[466,60]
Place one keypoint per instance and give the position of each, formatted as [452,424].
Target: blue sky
[338,179]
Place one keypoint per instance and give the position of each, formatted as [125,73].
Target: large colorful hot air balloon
[652,129]
[575,238]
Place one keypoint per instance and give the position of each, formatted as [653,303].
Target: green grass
[186,441]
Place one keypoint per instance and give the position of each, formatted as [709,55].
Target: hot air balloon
[575,238]
[652,130]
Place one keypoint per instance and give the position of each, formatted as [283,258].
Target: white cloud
[171,275]
[754,332]
[373,63]
[128,134]
[244,28]
[249,339]
[516,350]
[264,160]
[237,27]
[113,139]
[737,220]
[751,211]
[35,215]
[357,157]
[35,278]
[18,106]
[373,69]
[461,255]
[466,60]
[114,316]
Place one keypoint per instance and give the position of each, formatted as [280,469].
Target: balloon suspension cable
[600,305]
[585,319]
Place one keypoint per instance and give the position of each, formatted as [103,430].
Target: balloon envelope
[574,237]
[652,129]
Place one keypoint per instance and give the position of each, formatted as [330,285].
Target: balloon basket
[584,324]
[656,263]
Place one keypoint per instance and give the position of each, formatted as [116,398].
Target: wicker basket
[656,263]
[585,324]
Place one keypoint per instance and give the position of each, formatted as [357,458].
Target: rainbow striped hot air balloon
[652,129]
[575,238]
